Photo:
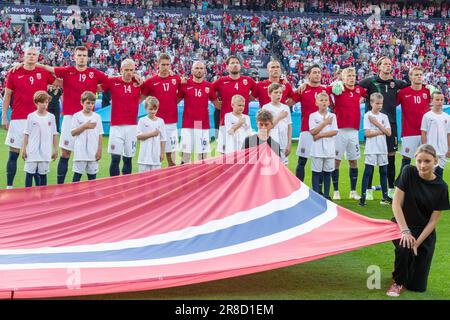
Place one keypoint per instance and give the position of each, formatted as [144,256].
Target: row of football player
[40,133]
[167,88]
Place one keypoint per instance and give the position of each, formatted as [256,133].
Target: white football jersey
[235,141]
[280,132]
[150,149]
[323,147]
[437,127]
[40,131]
[86,144]
[376,145]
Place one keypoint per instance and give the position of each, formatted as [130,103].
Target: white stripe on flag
[272,239]
[241,217]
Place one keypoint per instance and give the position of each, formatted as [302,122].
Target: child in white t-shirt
[40,138]
[436,130]
[323,128]
[282,130]
[376,128]
[87,130]
[152,136]
[237,125]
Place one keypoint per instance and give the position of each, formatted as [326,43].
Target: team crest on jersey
[392,84]
[406,149]
[207,90]
[113,147]
[66,142]
[302,150]
[357,91]
[91,75]
[245,82]
[38,75]
[174,81]
[425,96]
[11,140]
[49,123]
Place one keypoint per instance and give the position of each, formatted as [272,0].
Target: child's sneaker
[386,201]
[391,192]
[354,195]
[369,194]
[336,195]
[394,290]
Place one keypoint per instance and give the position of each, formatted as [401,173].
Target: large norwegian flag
[224,217]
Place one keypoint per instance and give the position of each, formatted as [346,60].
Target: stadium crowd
[298,42]
[400,9]
[333,43]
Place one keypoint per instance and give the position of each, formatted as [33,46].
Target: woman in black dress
[419,198]
[53,106]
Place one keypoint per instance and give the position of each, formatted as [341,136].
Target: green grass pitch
[341,276]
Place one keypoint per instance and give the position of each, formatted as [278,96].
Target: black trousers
[412,271]
[216,119]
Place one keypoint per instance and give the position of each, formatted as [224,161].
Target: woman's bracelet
[406,231]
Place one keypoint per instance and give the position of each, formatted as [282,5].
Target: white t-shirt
[323,147]
[279,133]
[437,127]
[86,143]
[376,145]
[150,149]
[40,131]
[235,141]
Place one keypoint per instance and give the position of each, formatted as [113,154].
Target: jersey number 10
[417,100]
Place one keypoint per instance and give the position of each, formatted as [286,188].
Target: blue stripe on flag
[275,222]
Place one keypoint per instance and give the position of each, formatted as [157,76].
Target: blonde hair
[151,102]
[322,94]
[415,68]
[236,98]
[346,71]
[376,96]
[426,148]
[127,62]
